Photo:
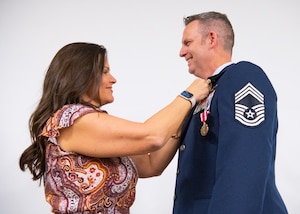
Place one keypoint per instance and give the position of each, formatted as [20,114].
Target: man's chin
[192,71]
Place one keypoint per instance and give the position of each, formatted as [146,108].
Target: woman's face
[107,81]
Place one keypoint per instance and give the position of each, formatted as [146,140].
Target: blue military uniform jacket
[231,169]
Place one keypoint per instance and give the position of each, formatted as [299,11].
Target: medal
[204,111]
[204,106]
[204,128]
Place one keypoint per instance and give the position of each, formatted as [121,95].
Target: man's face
[194,49]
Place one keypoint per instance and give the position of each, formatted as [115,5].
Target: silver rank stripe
[249,106]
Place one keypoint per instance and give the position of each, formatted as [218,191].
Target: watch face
[187,94]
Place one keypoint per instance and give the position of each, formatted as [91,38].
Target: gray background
[143,39]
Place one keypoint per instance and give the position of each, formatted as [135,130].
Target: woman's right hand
[200,88]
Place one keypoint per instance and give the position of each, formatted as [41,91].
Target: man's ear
[212,39]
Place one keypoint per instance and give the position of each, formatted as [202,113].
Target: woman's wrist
[188,96]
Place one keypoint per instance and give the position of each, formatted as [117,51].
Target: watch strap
[188,96]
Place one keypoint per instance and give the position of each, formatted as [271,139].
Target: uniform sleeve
[247,136]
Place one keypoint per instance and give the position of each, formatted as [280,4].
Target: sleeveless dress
[76,183]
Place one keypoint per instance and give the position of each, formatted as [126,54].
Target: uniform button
[174,198]
[177,172]
[182,147]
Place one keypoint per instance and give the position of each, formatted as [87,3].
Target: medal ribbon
[206,107]
[203,116]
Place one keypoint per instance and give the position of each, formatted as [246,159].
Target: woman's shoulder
[65,117]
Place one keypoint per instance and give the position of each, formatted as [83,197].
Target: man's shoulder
[245,64]
[245,69]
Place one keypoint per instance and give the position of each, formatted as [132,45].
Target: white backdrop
[143,39]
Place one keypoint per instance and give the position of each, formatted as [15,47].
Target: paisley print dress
[79,184]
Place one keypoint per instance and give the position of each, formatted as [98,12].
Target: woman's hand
[200,88]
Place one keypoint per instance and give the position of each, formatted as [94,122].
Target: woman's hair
[75,70]
[217,22]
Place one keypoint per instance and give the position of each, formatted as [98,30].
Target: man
[227,150]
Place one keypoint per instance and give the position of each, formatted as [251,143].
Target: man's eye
[187,43]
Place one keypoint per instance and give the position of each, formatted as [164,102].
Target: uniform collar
[220,68]
[217,74]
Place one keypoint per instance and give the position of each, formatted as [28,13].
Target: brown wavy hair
[76,69]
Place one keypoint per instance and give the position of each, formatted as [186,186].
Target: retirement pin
[204,129]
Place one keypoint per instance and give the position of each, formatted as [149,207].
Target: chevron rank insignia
[249,106]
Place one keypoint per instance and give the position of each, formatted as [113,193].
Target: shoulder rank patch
[249,106]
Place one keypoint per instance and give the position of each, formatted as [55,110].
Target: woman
[89,160]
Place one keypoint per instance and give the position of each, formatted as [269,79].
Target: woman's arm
[103,135]
[153,164]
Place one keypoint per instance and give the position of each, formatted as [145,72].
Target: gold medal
[204,129]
